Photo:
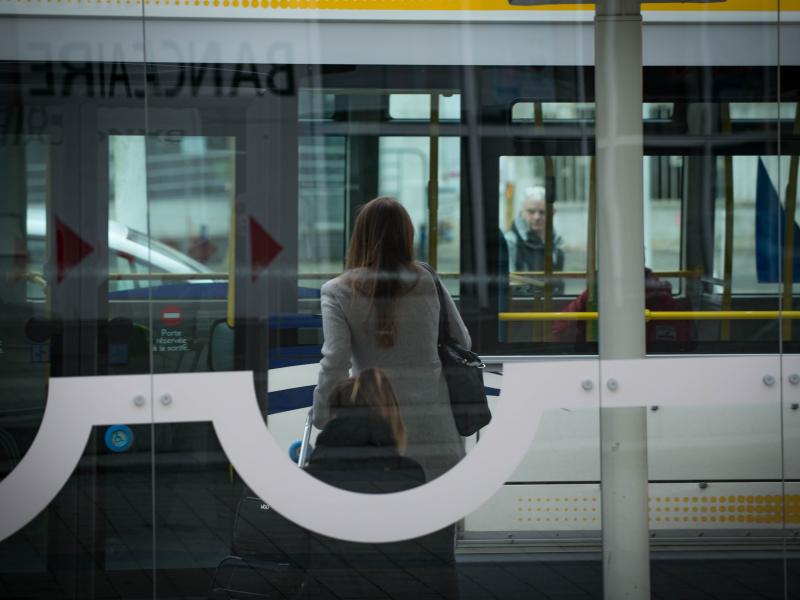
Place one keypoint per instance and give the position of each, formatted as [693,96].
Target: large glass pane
[714,453]
[75,456]
[192,172]
[267,167]
[787,114]
[220,364]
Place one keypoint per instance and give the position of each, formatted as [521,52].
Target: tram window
[663,198]
[522,194]
[404,171]
[36,188]
[657,111]
[522,178]
[179,189]
[418,106]
[322,208]
[755,194]
[663,208]
[315,105]
[525,112]
[762,111]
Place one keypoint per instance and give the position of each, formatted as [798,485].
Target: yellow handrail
[658,315]
[167,276]
[221,276]
[689,273]
[547,316]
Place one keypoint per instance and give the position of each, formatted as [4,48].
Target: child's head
[371,390]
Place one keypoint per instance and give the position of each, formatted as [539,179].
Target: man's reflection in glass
[526,242]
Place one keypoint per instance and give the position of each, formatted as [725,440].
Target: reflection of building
[180,188]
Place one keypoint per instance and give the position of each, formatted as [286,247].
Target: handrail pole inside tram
[621,301]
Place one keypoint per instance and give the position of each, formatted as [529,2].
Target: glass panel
[187,171]
[715,447]
[294,172]
[75,466]
[788,115]
[173,239]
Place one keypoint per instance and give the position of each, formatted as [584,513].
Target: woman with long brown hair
[383,312]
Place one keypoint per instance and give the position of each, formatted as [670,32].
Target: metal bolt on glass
[768,380]
[794,378]
[613,385]
[587,385]
[166,399]
[138,400]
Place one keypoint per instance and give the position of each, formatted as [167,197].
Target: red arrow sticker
[71,249]
[263,249]
[171,315]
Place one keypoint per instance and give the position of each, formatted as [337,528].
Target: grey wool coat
[411,365]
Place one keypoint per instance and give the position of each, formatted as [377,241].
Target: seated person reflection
[657,296]
[526,247]
[360,449]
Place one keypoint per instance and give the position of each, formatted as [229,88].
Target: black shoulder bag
[463,371]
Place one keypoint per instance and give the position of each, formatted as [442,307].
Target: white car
[130,252]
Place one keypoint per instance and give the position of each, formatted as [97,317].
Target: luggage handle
[306,443]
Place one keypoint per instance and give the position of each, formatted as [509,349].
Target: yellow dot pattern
[457,5]
[730,509]
[562,510]
[665,511]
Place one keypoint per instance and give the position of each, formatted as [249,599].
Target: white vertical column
[618,97]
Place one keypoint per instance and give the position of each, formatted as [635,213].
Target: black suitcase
[268,552]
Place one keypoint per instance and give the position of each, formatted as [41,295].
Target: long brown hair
[372,390]
[382,245]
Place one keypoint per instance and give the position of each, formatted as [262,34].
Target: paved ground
[96,541]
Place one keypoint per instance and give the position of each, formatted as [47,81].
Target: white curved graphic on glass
[228,400]
[74,405]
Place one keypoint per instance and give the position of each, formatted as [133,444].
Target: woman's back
[416,315]
[411,363]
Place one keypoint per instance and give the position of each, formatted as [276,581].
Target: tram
[248,144]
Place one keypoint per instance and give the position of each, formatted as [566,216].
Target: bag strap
[444,327]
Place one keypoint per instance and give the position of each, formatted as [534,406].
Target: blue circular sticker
[119,438]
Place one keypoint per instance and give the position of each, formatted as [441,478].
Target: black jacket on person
[526,253]
[276,558]
[357,452]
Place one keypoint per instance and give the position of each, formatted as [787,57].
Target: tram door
[120,229]
[220,190]
[64,245]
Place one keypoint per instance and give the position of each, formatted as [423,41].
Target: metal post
[618,98]
[433,184]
